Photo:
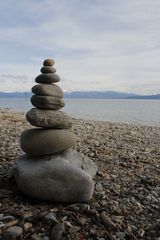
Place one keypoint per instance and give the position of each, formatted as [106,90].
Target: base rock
[65,177]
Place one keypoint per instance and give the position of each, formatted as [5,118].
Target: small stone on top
[48,62]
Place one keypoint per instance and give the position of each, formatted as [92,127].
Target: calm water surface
[145,112]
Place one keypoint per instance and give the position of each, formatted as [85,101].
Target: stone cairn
[51,170]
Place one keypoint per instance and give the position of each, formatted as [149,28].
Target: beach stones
[51,170]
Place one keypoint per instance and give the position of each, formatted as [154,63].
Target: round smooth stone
[48,62]
[47,78]
[48,90]
[14,232]
[39,142]
[47,102]
[49,119]
[47,69]
[63,177]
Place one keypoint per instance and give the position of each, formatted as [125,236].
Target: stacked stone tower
[51,169]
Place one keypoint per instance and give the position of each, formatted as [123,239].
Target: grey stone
[65,177]
[38,142]
[48,62]
[5,236]
[48,90]
[57,231]
[47,102]
[121,235]
[49,118]
[80,161]
[14,231]
[51,217]
[47,78]
[35,236]
[45,238]
[47,69]
[4,218]
[74,229]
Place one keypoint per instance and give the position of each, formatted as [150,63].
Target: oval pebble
[47,102]
[27,226]
[48,118]
[47,69]
[48,90]
[14,231]
[38,142]
[48,62]
[47,78]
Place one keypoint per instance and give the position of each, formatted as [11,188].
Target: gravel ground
[126,201]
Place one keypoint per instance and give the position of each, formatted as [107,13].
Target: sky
[111,45]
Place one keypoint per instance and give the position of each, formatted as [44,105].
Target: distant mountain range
[98,95]
[87,95]
[157,96]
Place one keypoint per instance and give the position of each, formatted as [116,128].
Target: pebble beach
[126,201]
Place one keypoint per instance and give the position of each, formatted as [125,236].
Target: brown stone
[48,62]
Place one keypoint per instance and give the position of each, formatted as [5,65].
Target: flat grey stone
[38,142]
[48,69]
[47,78]
[47,102]
[48,90]
[65,177]
[49,119]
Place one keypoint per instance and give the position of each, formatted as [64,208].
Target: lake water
[145,112]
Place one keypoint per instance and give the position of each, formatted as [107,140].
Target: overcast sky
[97,44]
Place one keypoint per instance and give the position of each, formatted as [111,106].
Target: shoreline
[16,112]
[126,201]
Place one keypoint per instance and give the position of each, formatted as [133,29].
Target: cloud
[14,77]
[98,44]
[13,83]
